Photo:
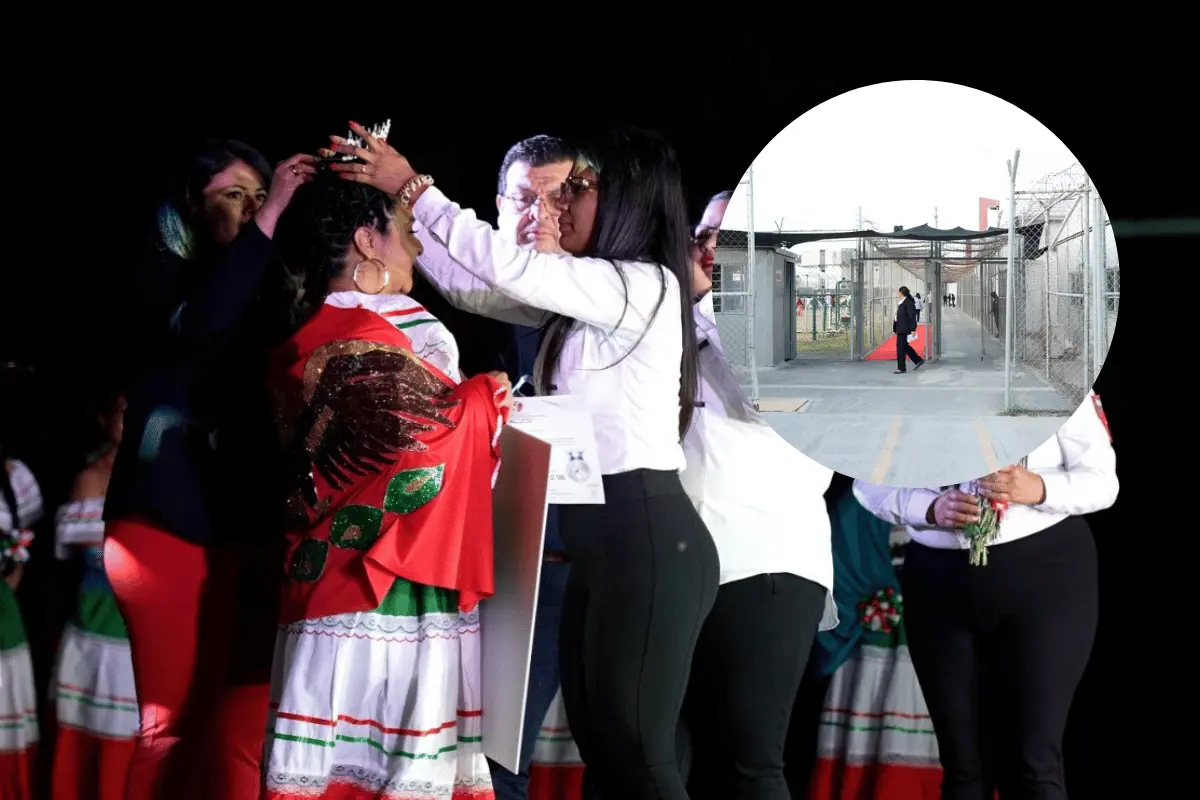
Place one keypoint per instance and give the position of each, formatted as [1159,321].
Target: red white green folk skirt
[95,704]
[18,706]
[556,772]
[382,704]
[876,739]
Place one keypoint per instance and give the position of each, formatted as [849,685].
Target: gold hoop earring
[383,282]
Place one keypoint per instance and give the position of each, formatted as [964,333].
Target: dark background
[62,315]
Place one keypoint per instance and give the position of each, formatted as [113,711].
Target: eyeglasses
[575,185]
[525,200]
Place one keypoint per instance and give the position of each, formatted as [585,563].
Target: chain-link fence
[775,302]
[825,320]
[882,276]
[1066,284]
[823,297]
[980,293]
[737,268]
[732,295]
[822,301]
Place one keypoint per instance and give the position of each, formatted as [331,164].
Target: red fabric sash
[422,509]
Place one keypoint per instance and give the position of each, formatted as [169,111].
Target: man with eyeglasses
[528,194]
[529,190]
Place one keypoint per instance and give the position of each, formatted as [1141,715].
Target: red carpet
[887,350]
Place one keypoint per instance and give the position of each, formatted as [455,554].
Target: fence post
[862,307]
[1086,289]
[1046,281]
[1010,282]
[1099,307]
[750,293]
[982,328]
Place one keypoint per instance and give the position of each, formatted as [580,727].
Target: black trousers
[999,651]
[644,573]
[800,753]
[903,348]
[751,656]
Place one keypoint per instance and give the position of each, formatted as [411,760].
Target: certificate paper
[565,424]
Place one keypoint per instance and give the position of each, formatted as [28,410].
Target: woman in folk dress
[93,688]
[376,685]
[20,509]
[556,770]
[874,739]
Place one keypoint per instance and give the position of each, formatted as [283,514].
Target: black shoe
[898,372]
[918,365]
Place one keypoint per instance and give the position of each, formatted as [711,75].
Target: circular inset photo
[917,281]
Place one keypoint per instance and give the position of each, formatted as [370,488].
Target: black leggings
[752,653]
[644,574]
[999,651]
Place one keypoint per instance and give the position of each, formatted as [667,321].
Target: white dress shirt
[762,499]
[1077,465]
[634,403]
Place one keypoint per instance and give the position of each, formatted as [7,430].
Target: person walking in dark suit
[906,323]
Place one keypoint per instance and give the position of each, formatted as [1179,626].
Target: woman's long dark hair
[318,228]
[641,216]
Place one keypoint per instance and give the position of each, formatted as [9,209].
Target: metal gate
[824,324]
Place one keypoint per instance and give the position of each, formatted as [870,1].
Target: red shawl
[390,471]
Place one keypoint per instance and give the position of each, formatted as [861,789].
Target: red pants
[203,713]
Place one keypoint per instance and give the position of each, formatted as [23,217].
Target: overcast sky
[899,150]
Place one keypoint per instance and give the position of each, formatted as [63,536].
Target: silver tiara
[380,131]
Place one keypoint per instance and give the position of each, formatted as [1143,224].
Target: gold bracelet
[410,188]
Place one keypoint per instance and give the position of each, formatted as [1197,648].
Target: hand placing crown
[371,160]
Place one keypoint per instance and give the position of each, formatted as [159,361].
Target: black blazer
[194,458]
[906,317]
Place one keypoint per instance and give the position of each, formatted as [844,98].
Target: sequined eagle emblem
[363,403]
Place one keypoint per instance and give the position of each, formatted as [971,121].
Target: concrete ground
[938,425]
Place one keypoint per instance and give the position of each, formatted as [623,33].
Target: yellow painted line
[985,446]
[884,462]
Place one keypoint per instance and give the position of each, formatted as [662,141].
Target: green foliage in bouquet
[984,532]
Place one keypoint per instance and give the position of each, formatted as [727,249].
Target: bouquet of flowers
[984,532]
[14,547]
[882,611]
